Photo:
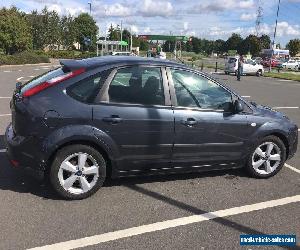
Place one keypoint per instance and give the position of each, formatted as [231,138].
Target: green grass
[286,76]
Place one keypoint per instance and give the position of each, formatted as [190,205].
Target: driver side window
[193,90]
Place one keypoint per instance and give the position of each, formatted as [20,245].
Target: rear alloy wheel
[267,158]
[77,172]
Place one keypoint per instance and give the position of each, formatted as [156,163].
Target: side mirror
[238,106]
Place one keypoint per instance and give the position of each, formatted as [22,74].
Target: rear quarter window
[87,89]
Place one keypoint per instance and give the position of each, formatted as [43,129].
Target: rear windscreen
[231,60]
[43,78]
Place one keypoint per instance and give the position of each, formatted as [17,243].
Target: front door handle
[189,122]
[114,119]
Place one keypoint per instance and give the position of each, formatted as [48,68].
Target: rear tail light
[14,163]
[52,82]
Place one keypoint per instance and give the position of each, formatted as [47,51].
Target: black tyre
[226,73]
[77,171]
[259,73]
[267,157]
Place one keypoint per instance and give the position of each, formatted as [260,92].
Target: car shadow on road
[197,211]
[124,181]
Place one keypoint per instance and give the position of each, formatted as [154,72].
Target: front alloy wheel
[267,158]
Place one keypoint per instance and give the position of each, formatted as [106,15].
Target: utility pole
[274,34]
[90,4]
[121,35]
[259,18]
[130,39]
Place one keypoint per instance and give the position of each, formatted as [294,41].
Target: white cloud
[134,29]
[246,4]
[112,10]
[147,30]
[221,5]
[247,17]
[151,8]
[185,25]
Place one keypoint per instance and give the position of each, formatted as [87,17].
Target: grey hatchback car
[127,116]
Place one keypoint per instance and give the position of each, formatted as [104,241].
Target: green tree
[294,46]
[114,34]
[68,31]
[219,46]
[52,28]
[86,27]
[234,42]
[37,28]
[265,41]
[15,33]
[250,44]
[45,29]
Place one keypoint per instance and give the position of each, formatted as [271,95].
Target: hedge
[23,58]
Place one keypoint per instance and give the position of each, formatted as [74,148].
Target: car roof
[95,62]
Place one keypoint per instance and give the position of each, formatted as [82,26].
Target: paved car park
[32,215]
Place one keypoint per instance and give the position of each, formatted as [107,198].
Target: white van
[250,67]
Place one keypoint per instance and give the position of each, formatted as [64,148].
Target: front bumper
[25,153]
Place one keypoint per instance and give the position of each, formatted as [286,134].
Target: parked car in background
[291,64]
[122,53]
[250,67]
[275,63]
[161,55]
[258,60]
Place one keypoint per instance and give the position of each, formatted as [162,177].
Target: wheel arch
[85,142]
[283,138]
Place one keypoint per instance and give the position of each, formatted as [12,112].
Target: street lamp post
[90,4]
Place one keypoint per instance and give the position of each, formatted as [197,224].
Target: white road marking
[284,80]
[18,79]
[285,107]
[6,71]
[31,76]
[299,129]
[2,150]
[19,70]
[5,97]
[36,69]
[292,168]
[5,115]
[158,226]
[246,96]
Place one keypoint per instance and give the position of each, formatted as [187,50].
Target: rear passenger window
[86,90]
[137,85]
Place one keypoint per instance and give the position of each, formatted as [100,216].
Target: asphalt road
[31,215]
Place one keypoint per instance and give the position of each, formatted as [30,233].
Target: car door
[134,110]
[248,67]
[207,132]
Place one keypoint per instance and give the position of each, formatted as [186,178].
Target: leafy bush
[25,57]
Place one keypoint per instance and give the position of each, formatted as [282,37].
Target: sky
[211,19]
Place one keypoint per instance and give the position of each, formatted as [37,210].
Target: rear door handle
[114,119]
[189,122]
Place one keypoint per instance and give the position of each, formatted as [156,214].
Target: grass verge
[286,76]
